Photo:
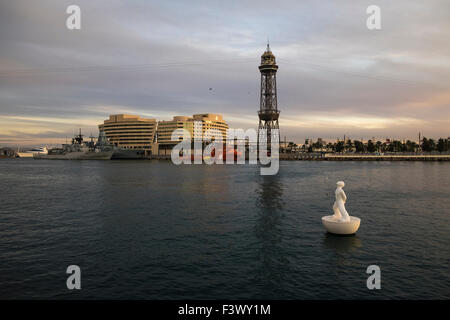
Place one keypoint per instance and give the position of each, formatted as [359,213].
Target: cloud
[159,59]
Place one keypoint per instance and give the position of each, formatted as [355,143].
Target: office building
[130,131]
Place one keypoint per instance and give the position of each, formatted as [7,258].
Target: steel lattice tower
[268,110]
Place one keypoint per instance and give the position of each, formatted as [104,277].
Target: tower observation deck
[268,111]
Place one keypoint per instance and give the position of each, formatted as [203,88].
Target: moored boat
[31,153]
[80,150]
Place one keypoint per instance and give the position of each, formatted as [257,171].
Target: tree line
[371,146]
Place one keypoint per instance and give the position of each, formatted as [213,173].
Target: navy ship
[129,154]
[80,149]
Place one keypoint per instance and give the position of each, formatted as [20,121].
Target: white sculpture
[339,205]
[341,222]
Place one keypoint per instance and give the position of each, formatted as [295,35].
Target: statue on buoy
[340,222]
[339,204]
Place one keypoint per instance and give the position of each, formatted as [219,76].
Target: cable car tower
[268,110]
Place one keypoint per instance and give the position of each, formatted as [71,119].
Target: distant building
[130,131]
[208,120]
[7,153]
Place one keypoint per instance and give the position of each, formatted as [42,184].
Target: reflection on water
[341,244]
[269,201]
[270,193]
[273,262]
[339,261]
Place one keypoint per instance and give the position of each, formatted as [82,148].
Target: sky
[159,59]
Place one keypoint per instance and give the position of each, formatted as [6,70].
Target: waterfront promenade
[365,157]
[346,157]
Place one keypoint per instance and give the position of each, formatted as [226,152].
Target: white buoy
[341,222]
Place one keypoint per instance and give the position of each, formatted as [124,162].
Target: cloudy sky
[160,59]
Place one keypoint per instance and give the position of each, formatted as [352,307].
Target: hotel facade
[208,122]
[137,133]
[130,132]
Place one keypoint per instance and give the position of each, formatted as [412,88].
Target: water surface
[153,230]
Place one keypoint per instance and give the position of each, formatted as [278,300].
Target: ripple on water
[158,231]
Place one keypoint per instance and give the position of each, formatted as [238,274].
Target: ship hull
[127,154]
[25,155]
[103,155]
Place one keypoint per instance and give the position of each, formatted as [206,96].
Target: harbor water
[153,230]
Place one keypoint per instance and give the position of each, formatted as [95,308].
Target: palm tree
[379,145]
[329,146]
[370,146]
[442,145]
[339,147]
[349,145]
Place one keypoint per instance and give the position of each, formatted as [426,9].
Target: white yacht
[32,152]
